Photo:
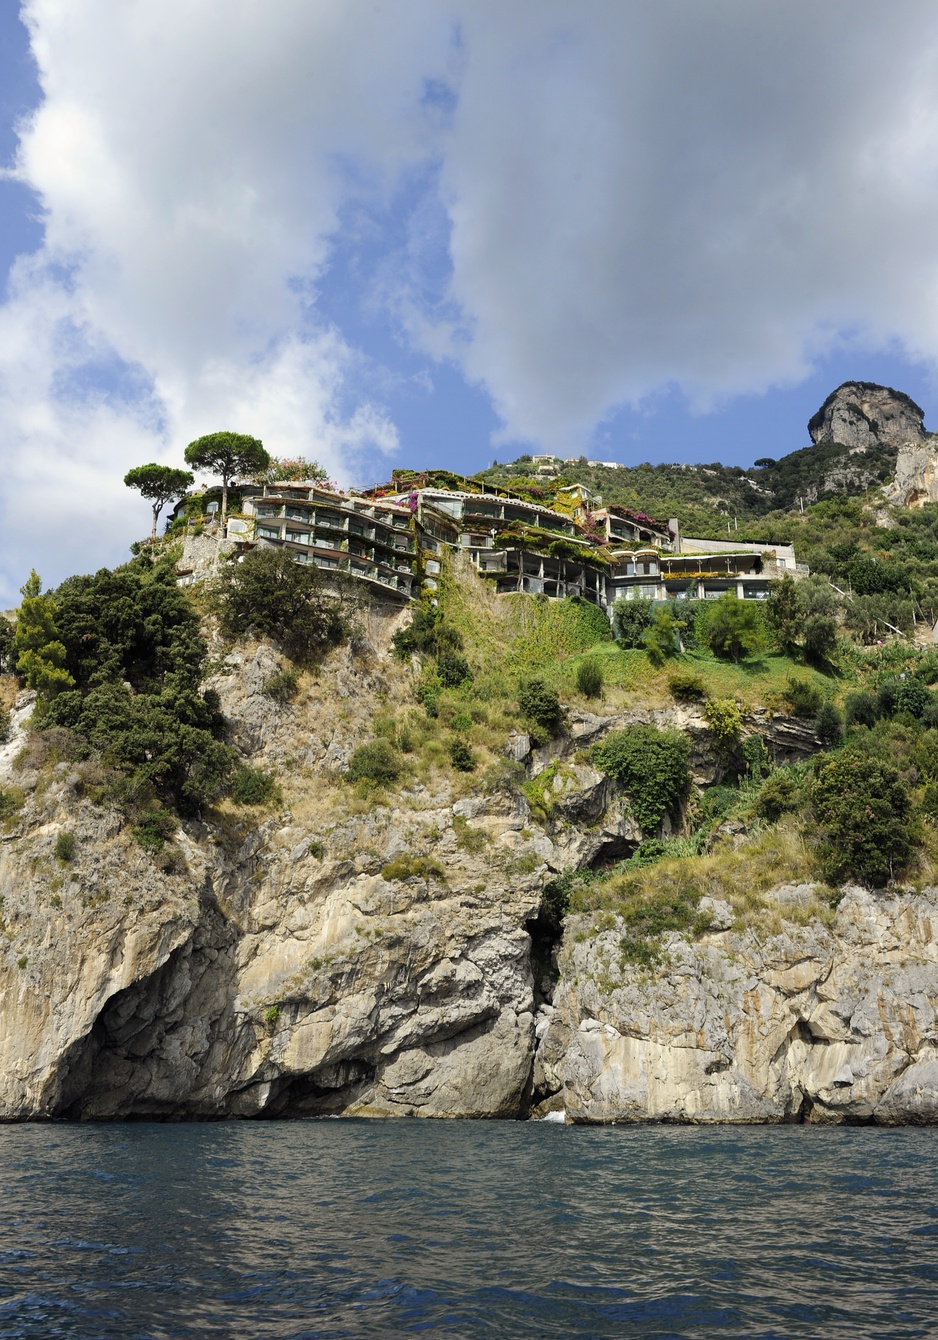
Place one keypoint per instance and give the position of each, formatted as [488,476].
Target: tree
[864,809]
[227,455]
[783,615]
[267,592]
[662,640]
[540,704]
[651,766]
[733,627]
[159,484]
[630,618]
[40,655]
[284,468]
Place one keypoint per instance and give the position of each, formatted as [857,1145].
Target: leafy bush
[803,697]
[860,709]
[453,669]
[733,628]
[414,867]
[687,686]
[461,756]
[426,634]
[267,593]
[905,694]
[651,766]
[662,639]
[253,786]
[153,829]
[829,725]
[630,619]
[589,679]
[136,656]
[540,704]
[647,919]
[376,762]
[864,809]
[725,721]
[282,685]
[12,800]
[780,793]
[756,755]
[65,847]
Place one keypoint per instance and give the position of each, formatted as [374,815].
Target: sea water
[355,1228]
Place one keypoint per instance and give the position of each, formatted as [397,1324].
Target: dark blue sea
[354,1228]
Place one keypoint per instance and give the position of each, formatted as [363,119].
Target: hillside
[480,860]
[856,435]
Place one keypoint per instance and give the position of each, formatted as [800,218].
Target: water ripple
[327,1230]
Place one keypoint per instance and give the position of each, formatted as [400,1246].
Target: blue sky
[453,234]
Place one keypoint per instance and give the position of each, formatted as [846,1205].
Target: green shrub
[376,762]
[315,848]
[860,709]
[282,685]
[630,619]
[686,686]
[903,695]
[651,766]
[414,867]
[725,721]
[426,634]
[803,697]
[461,721]
[589,679]
[65,847]
[780,793]
[829,725]
[453,670]
[266,593]
[733,628]
[662,640]
[461,756]
[864,809]
[540,704]
[758,764]
[428,693]
[12,800]
[254,786]
[272,1015]
[153,829]
[647,919]
[929,802]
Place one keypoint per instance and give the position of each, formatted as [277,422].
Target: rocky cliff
[863,415]
[348,956]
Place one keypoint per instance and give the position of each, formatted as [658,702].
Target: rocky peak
[861,415]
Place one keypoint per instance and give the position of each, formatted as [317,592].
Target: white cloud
[629,196]
[191,159]
[703,194]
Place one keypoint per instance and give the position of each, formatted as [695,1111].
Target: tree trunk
[156,517]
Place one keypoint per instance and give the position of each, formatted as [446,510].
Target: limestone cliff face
[916,479]
[861,415]
[834,1025]
[311,963]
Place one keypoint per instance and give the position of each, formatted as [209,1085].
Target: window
[298,536]
[268,532]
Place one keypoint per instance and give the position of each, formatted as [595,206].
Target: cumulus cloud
[191,160]
[612,199]
[701,195]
